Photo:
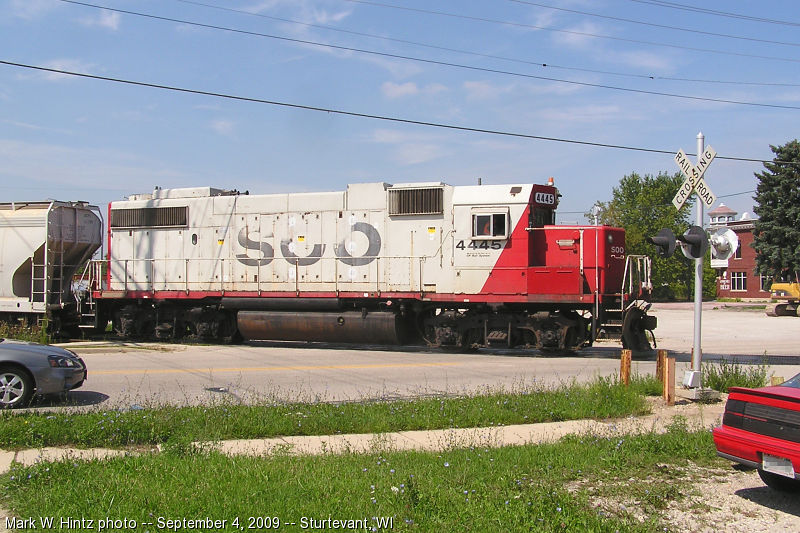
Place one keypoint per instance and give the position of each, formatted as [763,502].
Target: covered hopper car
[43,245]
[453,266]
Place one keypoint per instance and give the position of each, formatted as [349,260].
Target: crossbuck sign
[694,178]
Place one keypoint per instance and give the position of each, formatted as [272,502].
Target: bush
[725,374]
[34,333]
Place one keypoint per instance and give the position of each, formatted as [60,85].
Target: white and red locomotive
[460,266]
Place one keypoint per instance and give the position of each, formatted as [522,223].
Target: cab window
[541,217]
[489,225]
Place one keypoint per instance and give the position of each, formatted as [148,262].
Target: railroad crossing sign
[694,178]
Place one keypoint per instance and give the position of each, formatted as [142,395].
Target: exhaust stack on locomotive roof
[461,266]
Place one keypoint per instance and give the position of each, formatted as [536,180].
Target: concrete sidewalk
[696,415]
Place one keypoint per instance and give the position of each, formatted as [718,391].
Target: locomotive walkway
[696,414]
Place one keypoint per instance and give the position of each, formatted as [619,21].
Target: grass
[582,483]
[602,398]
[24,333]
[725,374]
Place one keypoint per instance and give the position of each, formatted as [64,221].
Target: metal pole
[697,354]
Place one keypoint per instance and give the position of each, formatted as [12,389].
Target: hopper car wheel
[16,387]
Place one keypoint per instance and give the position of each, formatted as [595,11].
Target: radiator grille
[149,217]
[427,201]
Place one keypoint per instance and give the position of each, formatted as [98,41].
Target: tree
[642,205]
[776,237]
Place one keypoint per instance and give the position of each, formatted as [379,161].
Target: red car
[761,429]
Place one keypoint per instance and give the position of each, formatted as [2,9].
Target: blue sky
[73,138]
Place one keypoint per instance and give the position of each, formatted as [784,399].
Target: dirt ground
[728,499]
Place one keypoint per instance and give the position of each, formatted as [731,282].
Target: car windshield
[792,382]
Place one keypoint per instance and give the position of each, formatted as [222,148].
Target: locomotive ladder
[87,306]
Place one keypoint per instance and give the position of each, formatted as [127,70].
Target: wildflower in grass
[446,464]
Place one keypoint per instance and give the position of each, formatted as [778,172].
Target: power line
[542,64]
[434,62]
[357,114]
[571,32]
[654,25]
[684,7]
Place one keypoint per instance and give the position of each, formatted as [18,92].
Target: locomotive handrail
[643,274]
[156,276]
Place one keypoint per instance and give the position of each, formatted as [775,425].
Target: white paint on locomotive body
[357,240]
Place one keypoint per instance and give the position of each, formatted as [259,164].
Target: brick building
[739,280]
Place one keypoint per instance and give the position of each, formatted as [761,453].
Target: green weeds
[725,374]
[21,332]
[600,399]
[582,483]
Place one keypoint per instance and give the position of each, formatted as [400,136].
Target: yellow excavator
[788,296]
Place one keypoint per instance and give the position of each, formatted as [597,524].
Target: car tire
[778,482]
[16,387]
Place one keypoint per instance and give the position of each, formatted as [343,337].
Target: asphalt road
[121,376]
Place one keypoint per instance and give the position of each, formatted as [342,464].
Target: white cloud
[410,148]
[49,170]
[416,153]
[579,35]
[393,90]
[223,127]
[106,19]
[484,90]
[587,113]
[34,127]
[656,62]
[304,10]
[72,65]
[29,9]
[398,90]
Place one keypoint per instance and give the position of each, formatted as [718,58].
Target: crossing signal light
[694,242]
[664,241]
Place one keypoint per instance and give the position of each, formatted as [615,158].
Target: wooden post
[669,381]
[625,367]
[661,359]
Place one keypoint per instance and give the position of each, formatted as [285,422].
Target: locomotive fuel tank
[379,327]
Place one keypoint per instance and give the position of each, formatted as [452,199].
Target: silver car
[27,368]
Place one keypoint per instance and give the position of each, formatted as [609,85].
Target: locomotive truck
[453,266]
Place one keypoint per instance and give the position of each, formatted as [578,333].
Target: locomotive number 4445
[482,245]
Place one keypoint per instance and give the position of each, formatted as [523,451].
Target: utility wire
[571,32]
[435,62]
[684,7]
[357,114]
[485,55]
[654,25]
